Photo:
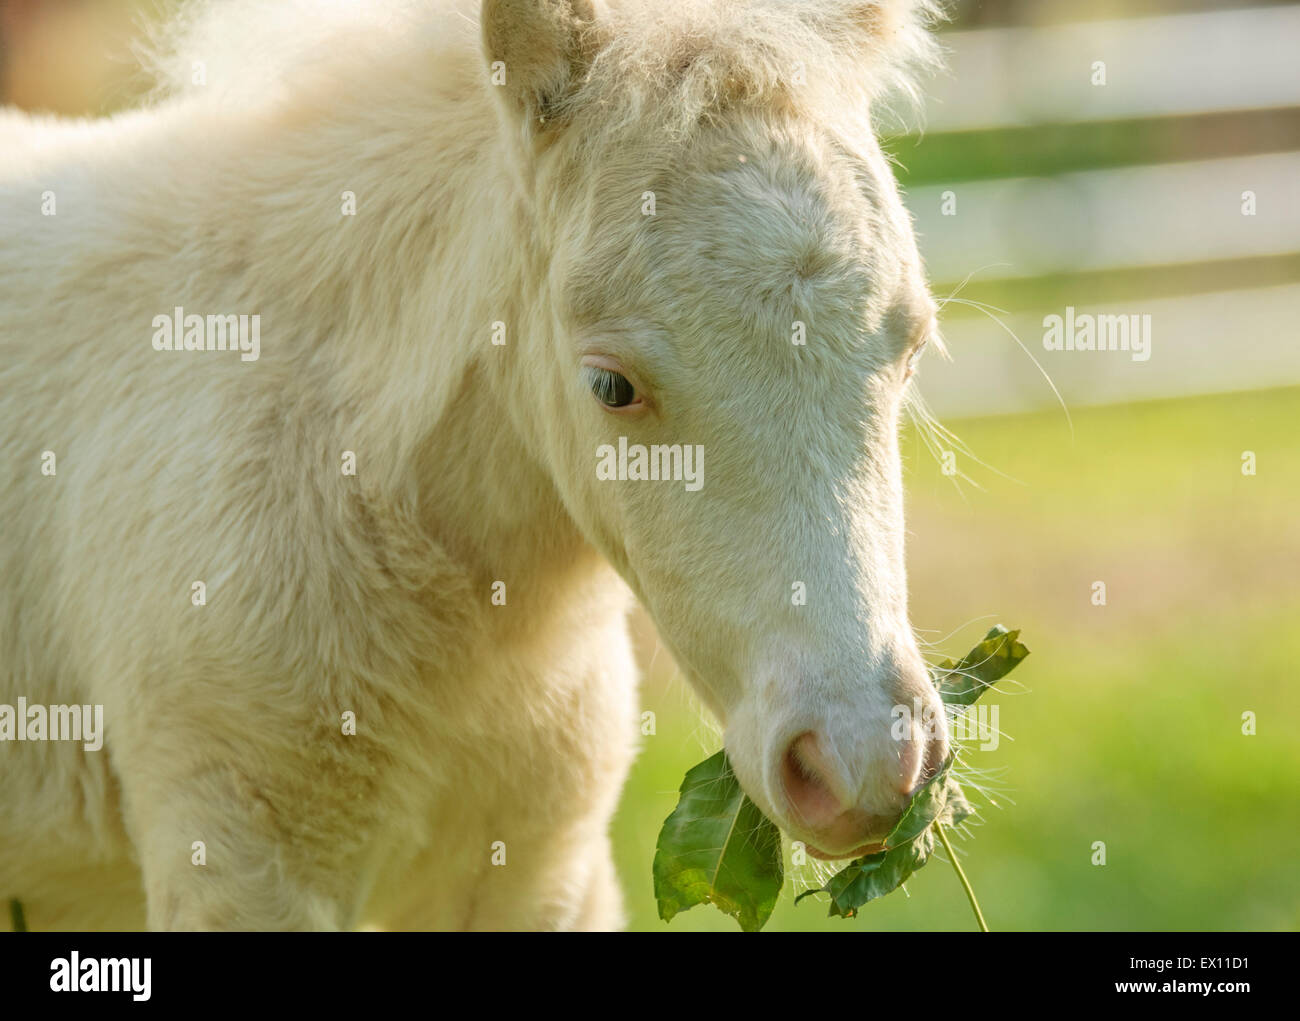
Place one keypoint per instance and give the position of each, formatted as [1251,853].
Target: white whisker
[991,311]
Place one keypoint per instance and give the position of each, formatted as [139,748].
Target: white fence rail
[1104,219]
[1177,64]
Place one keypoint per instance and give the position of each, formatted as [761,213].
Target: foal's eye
[610,388]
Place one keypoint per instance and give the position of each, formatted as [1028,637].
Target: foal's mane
[663,65]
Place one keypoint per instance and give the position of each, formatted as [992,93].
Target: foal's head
[731,271]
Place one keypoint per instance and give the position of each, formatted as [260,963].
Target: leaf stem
[965,883]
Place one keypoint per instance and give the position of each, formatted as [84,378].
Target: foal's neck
[462,359]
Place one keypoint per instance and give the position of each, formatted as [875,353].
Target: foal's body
[326,593]
[356,609]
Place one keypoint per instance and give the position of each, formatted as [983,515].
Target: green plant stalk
[965,883]
[16,919]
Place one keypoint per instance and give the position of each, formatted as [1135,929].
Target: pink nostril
[810,783]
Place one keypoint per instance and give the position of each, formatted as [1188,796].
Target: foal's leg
[234,838]
[602,911]
[548,884]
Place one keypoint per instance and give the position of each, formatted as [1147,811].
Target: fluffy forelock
[670,65]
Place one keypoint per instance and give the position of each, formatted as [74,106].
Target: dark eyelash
[600,383]
[604,383]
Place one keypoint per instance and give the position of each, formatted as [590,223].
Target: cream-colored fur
[371,594]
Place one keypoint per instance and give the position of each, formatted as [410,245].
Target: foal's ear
[537,51]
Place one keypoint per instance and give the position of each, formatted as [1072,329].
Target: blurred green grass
[1124,726]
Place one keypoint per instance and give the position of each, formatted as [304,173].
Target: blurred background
[1116,158]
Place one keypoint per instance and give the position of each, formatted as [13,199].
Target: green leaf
[996,656]
[717,847]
